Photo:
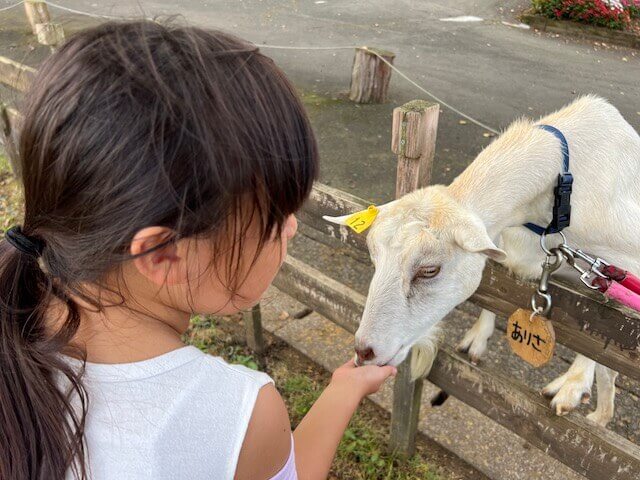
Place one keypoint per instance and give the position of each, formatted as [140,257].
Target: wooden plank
[592,451]
[16,75]
[326,200]
[326,296]
[581,317]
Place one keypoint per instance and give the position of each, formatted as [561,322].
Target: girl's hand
[363,380]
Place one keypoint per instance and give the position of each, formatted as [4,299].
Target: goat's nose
[364,354]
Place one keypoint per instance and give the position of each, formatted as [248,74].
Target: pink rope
[623,295]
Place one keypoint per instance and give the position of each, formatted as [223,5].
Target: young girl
[161,167]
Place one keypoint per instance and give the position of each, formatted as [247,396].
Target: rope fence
[294,47]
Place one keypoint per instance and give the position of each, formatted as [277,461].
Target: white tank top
[183,414]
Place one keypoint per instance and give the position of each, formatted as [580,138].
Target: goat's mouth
[394,360]
[399,356]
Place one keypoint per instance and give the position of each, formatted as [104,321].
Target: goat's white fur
[457,227]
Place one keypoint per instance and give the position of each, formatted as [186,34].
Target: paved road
[491,71]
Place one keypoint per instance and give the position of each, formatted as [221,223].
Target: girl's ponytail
[41,399]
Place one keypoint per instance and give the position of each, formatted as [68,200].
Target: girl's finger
[350,363]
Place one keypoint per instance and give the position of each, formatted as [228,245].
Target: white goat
[429,248]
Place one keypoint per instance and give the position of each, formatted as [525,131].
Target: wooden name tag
[531,337]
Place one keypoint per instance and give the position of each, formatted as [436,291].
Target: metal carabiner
[585,275]
[548,268]
[540,310]
[543,286]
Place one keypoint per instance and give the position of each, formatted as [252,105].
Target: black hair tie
[24,243]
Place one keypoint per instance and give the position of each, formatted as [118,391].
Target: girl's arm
[267,442]
[319,433]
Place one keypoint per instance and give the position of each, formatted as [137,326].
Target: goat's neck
[511,182]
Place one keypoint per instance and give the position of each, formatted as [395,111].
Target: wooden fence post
[10,121]
[413,139]
[47,32]
[37,12]
[370,75]
[253,330]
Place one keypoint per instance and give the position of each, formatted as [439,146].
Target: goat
[429,247]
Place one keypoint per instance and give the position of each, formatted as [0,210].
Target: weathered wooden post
[414,130]
[37,13]
[10,120]
[47,32]
[253,331]
[370,75]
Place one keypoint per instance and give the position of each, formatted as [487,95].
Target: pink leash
[620,292]
[624,278]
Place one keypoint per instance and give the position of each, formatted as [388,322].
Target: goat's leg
[573,387]
[606,381]
[475,340]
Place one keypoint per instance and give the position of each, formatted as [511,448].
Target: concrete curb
[591,32]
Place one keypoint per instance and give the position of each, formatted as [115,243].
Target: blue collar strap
[561,193]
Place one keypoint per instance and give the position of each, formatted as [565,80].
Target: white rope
[10,6]
[293,47]
[399,72]
[94,15]
[437,99]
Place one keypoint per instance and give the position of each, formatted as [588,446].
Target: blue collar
[562,192]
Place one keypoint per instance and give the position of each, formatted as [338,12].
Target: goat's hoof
[474,346]
[599,419]
[567,394]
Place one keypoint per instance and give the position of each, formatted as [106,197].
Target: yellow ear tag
[360,221]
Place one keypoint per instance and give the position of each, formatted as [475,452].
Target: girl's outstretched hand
[364,380]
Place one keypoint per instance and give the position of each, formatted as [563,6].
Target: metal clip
[586,275]
[543,287]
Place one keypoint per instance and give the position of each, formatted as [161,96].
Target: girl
[161,170]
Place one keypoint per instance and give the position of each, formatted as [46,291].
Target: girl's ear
[156,258]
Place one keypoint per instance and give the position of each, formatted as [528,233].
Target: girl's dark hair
[131,125]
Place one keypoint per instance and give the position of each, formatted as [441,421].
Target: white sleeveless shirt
[183,414]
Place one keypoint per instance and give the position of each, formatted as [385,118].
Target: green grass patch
[314,100]
[362,453]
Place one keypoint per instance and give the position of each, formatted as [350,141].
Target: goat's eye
[429,271]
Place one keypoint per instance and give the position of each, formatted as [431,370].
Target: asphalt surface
[489,70]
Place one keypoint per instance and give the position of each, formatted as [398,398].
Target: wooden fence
[580,317]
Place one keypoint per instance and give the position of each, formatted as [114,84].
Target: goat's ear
[342,219]
[474,238]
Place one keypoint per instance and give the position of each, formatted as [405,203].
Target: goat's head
[429,253]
